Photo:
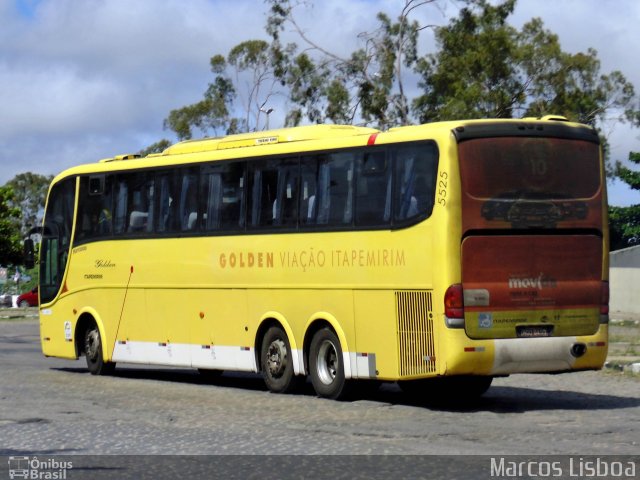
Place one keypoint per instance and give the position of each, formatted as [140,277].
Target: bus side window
[211,195]
[121,190]
[333,203]
[415,175]
[94,208]
[167,194]
[188,200]
[373,199]
[326,196]
[140,207]
[285,207]
[308,194]
[223,190]
[263,192]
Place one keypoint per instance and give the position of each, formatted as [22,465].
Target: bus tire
[277,362]
[326,365]
[93,353]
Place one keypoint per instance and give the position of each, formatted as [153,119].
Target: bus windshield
[56,238]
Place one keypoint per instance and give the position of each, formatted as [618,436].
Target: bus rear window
[530,182]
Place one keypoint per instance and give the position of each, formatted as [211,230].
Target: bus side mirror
[29,254]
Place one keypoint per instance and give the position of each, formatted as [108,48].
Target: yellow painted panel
[376,329]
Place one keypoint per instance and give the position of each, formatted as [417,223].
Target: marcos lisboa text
[33,468]
[571,468]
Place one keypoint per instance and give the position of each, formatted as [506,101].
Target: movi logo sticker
[539,282]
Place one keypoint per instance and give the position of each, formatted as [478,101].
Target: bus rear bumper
[557,354]
[530,355]
[520,355]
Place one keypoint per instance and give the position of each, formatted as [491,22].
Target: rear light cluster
[604,298]
[454,306]
[604,302]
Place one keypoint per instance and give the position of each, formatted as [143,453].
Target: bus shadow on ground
[499,399]
[513,400]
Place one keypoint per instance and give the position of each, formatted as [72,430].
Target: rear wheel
[326,365]
[93,353]
[277,362]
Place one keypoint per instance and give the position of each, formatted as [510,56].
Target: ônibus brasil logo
[33,468]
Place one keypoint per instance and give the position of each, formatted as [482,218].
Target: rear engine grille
[415,332]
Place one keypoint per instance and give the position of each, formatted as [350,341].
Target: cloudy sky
[82,80]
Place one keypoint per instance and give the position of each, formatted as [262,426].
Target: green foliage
[483,67]
[486,68]
[157,147]
[624,222]
[10,238]
[628,176]
[472,75]
[29,196]
[210,113]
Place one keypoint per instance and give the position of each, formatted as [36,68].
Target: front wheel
[326,365]
[93,353]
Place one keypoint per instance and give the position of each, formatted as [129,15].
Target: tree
[624,222]
[29,196]
[486,68]
[368,85]
[482,67]
[474,72]
[216,112]
[571,85]
[157,147]
[210,113]
[10,238]
[317,85]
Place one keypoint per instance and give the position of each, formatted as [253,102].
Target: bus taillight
[454,306]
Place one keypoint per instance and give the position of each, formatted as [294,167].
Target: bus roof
[254,139]
[316,137]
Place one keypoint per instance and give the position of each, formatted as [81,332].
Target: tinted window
[263,192]
[134,203]
[168,191]
[415,176]
[188,200]
[56,238]
[328,186]
[366,187]
[95,217]
[541,167]
[285,211]
[373,191]
[223,188]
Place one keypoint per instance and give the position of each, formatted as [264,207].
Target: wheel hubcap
[277,358]
[327,362]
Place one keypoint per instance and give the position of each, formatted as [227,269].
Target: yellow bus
[437,256]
